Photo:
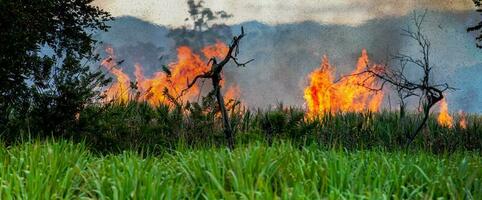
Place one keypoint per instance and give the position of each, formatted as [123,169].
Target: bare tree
[428,93]
[215,75]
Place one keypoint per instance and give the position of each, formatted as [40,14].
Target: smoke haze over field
[286,53]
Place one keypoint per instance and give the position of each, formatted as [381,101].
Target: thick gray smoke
[285,54]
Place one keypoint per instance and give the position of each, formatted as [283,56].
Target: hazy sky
[173,12]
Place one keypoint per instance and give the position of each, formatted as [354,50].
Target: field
[137,151]
[60,169]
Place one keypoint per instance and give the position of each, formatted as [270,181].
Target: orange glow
[323,95]
[151,89]
[463,120]
[444,118]
[232,93]
[118,91]
[216,50]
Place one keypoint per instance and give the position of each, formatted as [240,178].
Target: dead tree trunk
[433,96]
[215,75]
[228,130]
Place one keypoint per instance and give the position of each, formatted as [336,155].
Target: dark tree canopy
[478,27]
[201,16]
[64,26]
[29,29]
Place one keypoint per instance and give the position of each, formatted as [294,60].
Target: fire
[324,95]
[119,91]
[444,118]
[153,89]
[231,93]
[463,120]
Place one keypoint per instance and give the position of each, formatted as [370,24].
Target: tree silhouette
[202,16]
[204,28]
[42,45]
[478,27]
[428,93]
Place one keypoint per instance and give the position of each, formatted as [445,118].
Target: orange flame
[232,93]
[153,89]
[444,118]
[323,95]
[119,91]
[463,120]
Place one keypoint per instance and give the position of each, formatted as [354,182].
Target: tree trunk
[402,111]
[426,113]
[228,131]
[215,75]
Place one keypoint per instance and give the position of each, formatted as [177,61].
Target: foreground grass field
[63,170]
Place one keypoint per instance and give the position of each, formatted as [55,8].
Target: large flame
[444,118]
[153,89]
[323,95]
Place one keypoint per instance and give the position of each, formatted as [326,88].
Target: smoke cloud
[351,12]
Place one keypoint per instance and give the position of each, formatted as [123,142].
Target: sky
[348,12]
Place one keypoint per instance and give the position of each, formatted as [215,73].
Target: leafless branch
[215,75]
[429,94]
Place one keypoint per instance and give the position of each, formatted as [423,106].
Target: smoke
[351,12]
[286,53]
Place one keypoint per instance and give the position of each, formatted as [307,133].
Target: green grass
[64,170]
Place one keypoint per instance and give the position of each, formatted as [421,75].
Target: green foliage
[64,170]
[42,83]
[139,126]
[43,170]
[284,123]
[55,106]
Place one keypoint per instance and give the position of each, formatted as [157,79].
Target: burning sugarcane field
[204,99]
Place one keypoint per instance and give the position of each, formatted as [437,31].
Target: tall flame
[323,95]
[153,89]
[119,91]
[462,120]
[444,118]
